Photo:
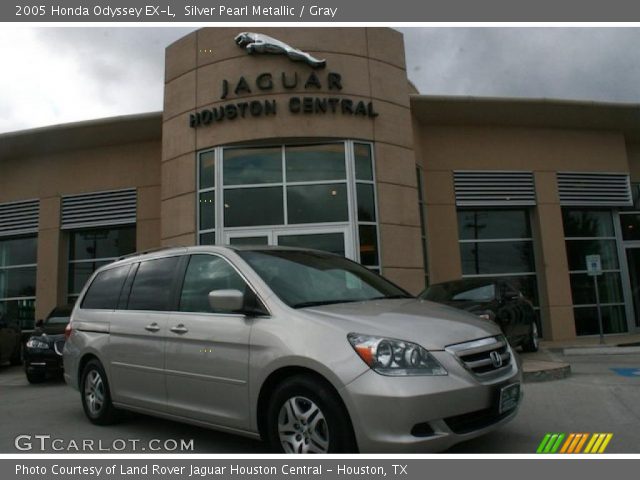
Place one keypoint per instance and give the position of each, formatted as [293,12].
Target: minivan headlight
[389,356]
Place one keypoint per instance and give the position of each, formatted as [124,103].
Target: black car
[43,351]
[9,341]
[495,300]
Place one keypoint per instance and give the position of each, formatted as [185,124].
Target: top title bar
[387,11]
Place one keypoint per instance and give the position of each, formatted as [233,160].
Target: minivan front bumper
[426,413]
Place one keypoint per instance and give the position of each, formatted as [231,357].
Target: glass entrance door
[633,266]
[335,239]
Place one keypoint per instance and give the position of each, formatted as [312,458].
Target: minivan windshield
[306,279]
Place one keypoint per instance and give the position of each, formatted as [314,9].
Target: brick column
[51,274]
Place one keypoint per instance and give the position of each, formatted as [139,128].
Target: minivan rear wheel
[96,397]
[305,416]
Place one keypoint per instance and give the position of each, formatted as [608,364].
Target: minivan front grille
[483,357]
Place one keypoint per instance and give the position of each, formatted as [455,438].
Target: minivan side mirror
[226,300]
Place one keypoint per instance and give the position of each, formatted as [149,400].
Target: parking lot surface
[601,395]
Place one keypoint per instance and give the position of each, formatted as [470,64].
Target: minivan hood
[432,325]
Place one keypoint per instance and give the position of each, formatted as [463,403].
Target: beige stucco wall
[371,64]
[633,153]
[47,178]
[443,149]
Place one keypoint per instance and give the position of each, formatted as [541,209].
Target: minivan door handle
[180,329]
[152,327]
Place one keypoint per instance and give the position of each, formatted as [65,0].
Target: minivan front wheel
[96,398]
[305,416]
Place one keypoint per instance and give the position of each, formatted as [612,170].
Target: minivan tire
[96,396]
[531,343]
[310,393]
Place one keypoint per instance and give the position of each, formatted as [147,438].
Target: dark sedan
[494,300]
[43,351]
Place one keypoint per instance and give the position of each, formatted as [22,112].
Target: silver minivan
[307,350]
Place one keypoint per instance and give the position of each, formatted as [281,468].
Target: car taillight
[67,331]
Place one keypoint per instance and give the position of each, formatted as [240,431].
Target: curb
[600,350]
[539,371]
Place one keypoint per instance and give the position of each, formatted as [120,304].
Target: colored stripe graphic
[574,443]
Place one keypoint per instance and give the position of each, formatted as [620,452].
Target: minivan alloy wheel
[94,392]
[302,427]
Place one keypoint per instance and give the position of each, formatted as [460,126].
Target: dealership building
[324,143]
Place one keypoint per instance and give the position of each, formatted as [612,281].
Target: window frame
[73,297]
[182,275]
[220,230]
[505,277]
[23,298]
[616,234]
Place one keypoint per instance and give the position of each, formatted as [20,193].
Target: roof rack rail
[149,250]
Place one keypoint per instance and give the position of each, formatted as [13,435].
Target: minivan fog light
[388,356]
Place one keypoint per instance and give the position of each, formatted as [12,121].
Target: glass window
[480,258]
[493,224]
[153,284]
[21,312]
[204,274]
[368,245]
[207,170]
[104,291]
[596,236]
[276,186]
[18,251]
[364,165]
[587,223]
[244,207]
[366,202]
[584,292]
[630,223]
[79,274]
[102,243]
[247,166]
[258,240]
[328,242]
[207,211]
[613,320]
[208,238]
[17,282]
[577,250]
[484,293]
[305,279]
[90,249]
[18,279]
[498,242]
[317,203]
[315,162]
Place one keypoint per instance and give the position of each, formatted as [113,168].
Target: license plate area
[509,398]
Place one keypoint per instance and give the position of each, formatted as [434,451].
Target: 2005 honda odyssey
[308,350]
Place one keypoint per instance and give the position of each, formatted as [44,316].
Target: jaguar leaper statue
[259,43]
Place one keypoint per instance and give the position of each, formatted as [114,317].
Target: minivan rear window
[153,285]
[105,289]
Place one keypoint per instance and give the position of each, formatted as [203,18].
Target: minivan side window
[105,289]
[206,273]
[153,284]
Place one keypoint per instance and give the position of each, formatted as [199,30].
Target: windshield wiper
[325,302]
[389,297]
